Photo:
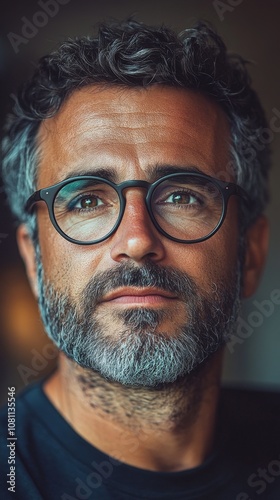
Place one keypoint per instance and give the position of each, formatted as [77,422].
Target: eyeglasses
[185,207]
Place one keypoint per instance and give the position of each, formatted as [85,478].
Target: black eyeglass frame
[48,195]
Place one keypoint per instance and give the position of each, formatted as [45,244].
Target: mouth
[139,296]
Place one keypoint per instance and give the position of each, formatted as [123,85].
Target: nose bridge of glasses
[127,185]
[133,184]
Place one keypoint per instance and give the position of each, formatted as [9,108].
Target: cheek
[70,266]
[207,263]
[212,261]
[222,251]
[67,265]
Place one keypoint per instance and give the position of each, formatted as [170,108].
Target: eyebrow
[155,172]
[105,173]
[160,170]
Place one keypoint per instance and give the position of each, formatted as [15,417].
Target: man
[129,165]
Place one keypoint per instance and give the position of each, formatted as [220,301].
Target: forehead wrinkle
[118,122]
[121,115]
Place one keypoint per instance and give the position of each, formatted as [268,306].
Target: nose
[137,238]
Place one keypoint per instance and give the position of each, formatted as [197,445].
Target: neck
[166,428]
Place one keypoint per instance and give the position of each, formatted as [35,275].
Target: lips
[138,295]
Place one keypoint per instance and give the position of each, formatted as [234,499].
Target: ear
[27,252]
[256,248]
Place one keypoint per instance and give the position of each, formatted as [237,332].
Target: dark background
[250,28]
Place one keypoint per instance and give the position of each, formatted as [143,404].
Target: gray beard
[140,354]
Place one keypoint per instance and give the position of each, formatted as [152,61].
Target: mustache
[148,275]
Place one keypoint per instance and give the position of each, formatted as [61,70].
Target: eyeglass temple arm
[241,192]
[32,200]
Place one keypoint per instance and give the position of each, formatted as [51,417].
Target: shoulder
[17,424]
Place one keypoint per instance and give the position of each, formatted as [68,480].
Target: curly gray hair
[132,54]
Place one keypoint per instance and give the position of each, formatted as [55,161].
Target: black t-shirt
[53,462]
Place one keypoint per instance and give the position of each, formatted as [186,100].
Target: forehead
[132,130]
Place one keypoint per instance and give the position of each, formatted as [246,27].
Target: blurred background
[30,29]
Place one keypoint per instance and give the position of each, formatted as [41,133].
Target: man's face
[129,132]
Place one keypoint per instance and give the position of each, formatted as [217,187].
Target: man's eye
[88,202]
[182,199]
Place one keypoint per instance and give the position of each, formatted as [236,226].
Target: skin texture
[129,131]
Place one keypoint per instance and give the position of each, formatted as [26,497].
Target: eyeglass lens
[185,207]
